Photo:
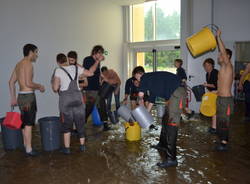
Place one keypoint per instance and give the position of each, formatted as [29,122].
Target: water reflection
[111,159]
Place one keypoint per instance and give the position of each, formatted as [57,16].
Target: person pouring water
[168,86]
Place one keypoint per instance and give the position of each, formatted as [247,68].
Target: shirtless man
[224,101]
[111,77]
[26,100]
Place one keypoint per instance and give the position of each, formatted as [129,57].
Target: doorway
[157,60]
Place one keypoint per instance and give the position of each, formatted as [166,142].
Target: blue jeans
[117,101]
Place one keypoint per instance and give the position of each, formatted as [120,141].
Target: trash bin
[11,138]
[50,129]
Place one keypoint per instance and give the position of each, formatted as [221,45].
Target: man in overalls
[168,86]
[71,106]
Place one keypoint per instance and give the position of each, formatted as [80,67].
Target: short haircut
[229,52]
[138,69]
[61,58]
[27,48]
[104,68]
[209,61]
[179,61]
[96,49]
[72,54]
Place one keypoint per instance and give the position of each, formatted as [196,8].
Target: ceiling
[128,2]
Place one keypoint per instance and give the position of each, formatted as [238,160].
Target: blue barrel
[11,138]
[50,129]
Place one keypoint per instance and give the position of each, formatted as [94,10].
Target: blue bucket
[96,117]
[11,138]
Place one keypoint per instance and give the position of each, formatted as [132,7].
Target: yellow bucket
[208,104]
[133,132]
[201,42]
[247,77]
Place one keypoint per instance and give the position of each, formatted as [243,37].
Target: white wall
[233,19]
[56,26]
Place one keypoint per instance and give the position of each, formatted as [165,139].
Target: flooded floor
[109,158]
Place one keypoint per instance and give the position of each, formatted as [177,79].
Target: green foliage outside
[167,27]
[165,59]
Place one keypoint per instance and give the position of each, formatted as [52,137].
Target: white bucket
[142,116]
[125,113]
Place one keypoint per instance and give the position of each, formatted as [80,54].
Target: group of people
[78,88]
[172,88]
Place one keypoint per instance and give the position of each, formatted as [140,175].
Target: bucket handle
[213,27]
[12,107]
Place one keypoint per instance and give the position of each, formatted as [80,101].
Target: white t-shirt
[64,78]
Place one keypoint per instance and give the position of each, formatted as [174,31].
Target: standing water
[109,158]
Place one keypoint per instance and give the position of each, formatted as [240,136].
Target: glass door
[145,59]
[157,60]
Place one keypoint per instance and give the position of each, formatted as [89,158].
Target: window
[163,60]
[158,20]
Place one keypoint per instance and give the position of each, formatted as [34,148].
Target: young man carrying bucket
[211,85]
[224,102]
[168,86]
[23,74]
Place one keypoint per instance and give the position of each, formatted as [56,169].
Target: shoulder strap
[66,73]
[76,72]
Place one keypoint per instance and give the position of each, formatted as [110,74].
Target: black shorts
[28,108]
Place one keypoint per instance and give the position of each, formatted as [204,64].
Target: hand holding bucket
[202,41]
[208,104]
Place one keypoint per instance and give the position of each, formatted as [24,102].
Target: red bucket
[12,120]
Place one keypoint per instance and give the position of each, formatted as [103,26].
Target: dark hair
[61,58]
[229,52]
[209,61]
[96,49]
[72,54]
[104,68]
[138,69]
[27,48]
[179,61]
